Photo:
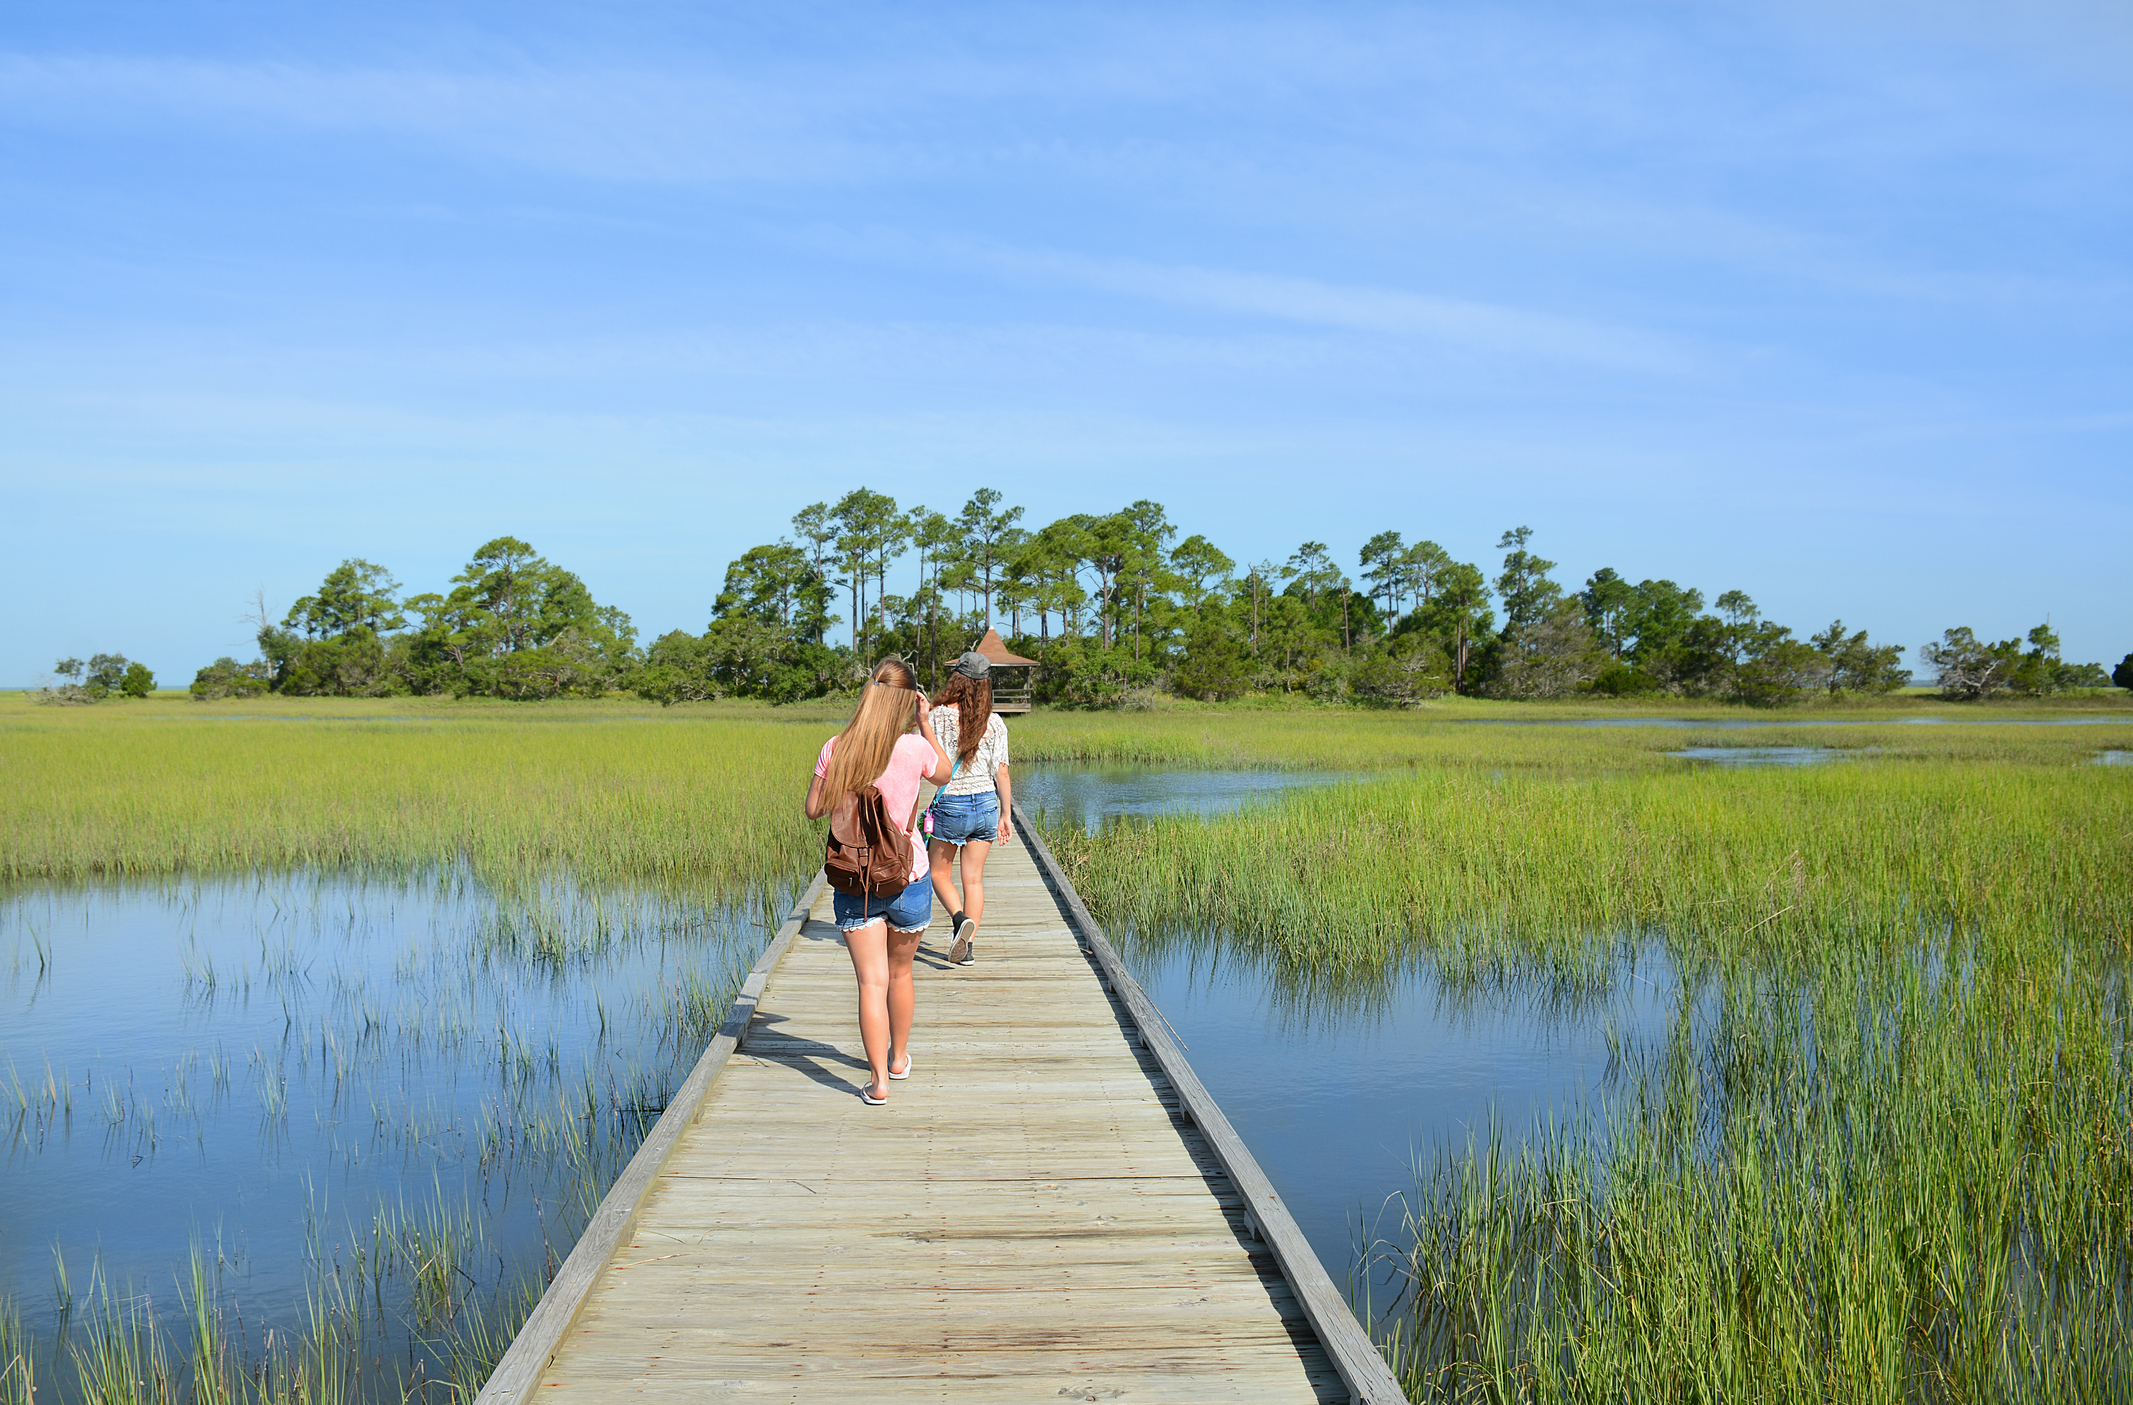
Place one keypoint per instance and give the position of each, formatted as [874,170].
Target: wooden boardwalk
[1049,1209]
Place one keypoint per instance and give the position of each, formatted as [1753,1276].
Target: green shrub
[227,678]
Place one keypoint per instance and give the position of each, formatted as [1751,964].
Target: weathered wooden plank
[1063,1343]
[1175,1378]
[1052,1263]
[1153,1265]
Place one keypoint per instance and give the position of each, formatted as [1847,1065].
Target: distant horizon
[1829,304]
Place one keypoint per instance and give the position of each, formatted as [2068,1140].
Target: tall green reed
[1906,1186]
[682,803]
[18,1357]
[1478,868]
[121,1351]
[1467,733]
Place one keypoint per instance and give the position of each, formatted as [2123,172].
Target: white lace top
[975,777]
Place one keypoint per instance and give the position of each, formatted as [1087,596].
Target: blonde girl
[977,806]
[887,744]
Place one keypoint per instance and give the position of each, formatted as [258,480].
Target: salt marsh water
[1087,795]
[1760,755]
[1338,1103]
[303,1078]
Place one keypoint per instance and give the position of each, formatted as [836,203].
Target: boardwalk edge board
[1362,1367]
[550,1321]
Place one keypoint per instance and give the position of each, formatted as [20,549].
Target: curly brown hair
[973,711]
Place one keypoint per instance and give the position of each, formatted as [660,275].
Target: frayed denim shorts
[967,819]
[908,911]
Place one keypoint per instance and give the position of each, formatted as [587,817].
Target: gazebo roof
[995,650]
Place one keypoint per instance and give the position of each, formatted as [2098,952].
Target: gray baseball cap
[973,665]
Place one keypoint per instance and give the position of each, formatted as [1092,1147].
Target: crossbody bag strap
[937,794]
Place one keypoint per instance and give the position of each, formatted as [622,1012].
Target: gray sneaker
[964,950]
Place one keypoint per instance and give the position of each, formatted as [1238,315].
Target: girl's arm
[1007,805]
[943,768]
[816,809]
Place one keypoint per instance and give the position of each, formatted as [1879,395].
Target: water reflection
[289,1072]
[1088,795]
[2115,758]
[1338,1092]
[1760,755]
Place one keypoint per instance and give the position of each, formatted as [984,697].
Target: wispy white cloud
[1453,322]
[1478,325]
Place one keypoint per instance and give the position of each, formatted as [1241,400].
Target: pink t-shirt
[908,765]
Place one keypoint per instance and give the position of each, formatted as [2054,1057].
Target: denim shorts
[965,819]
[908,911]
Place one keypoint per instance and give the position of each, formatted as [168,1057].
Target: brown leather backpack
[866,854]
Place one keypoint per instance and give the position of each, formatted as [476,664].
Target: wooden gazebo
[1011,674]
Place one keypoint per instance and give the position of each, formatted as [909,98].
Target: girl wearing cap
[975,807]
[887,745]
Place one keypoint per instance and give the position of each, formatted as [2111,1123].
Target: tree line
[1111,605]
[512,624]
[103,676]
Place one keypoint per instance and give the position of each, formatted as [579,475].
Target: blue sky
[1830,303]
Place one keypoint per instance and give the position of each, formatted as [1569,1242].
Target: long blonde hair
[888,708]
[973,711]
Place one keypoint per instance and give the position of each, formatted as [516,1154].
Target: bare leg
[869,949]
[974,878]
[903,997]
[940,854]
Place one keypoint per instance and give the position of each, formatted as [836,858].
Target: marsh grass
[702,800]
[1547,870]
[18,1361]
[1906,1186]
[126,1347]
[1882,1153]
[1466,733]
[689,804]
[120,1352]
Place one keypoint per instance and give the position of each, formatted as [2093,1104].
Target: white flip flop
[908,1061]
